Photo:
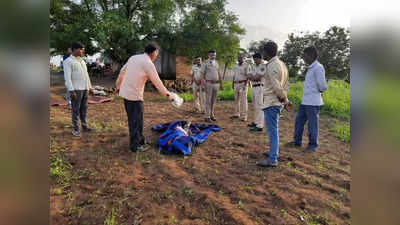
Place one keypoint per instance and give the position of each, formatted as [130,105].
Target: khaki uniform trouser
[211,98]
[199,96]
[257,99]
[241,105]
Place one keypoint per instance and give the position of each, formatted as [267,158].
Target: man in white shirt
[198,91]
[67,96]
[78,84]
[130,83]
[311,102]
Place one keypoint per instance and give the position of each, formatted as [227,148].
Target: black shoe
[208,120]
[213,119]
[310,149]
[293,144]
[256,129]
[266,163]
[252,124]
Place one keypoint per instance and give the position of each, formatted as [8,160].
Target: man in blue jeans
[314,85]
[276,86]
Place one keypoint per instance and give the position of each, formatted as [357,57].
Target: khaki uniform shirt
[257,70]
[276,83]
[210,68]
[196,73]
[240,74]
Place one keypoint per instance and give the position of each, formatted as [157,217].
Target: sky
[276,19]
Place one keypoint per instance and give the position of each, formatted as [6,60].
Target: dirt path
[218,184]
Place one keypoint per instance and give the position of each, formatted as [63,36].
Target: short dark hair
[271,48]
[257,56]
[197,57]
[151,47]
[212,51]
[311,51]
[77,45]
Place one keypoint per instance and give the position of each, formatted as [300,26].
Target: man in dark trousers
[78,84]
[311,102]
[130,83]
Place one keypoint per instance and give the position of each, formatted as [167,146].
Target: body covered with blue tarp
[181,136]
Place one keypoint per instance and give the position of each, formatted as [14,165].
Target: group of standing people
[269,81]
[268,78]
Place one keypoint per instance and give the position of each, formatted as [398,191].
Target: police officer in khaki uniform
[198,90]
[239,85]
[255,75]
[212,81]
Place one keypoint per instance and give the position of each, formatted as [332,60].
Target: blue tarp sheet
[176,137]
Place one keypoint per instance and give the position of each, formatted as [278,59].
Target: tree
[208,25]
[258,46]
[120,28]
[333,46]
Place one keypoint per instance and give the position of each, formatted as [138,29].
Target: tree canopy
[333,48]
[120,28]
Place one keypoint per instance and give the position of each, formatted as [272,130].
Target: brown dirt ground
[218,184]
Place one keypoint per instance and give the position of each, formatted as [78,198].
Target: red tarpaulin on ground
[91,100]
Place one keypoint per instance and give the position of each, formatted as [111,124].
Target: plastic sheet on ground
[181,136]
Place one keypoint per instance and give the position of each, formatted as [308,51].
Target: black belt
[258,85]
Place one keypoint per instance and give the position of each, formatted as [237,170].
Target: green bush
[187,97]
[342,131]
[336,98]
[227,94]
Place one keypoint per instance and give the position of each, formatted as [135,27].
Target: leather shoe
[266,163]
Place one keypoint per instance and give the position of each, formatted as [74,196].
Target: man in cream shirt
[276,86]
[78,84]
[130,83]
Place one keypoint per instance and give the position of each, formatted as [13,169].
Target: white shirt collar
[313,64]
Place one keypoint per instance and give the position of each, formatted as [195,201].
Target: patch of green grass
[187,97]
[101,127]
[313,219]
[59,169]
[110,219]
[341,131]
[336,98]
[160,99]
[284,213]
[172,220]
[229,94]
[57,191]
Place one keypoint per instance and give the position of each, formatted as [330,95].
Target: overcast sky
[281,17]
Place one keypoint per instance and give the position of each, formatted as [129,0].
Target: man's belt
[257,85]
[197,81]
[240,81]
[213,81]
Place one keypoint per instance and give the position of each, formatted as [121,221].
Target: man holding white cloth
[130,83]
